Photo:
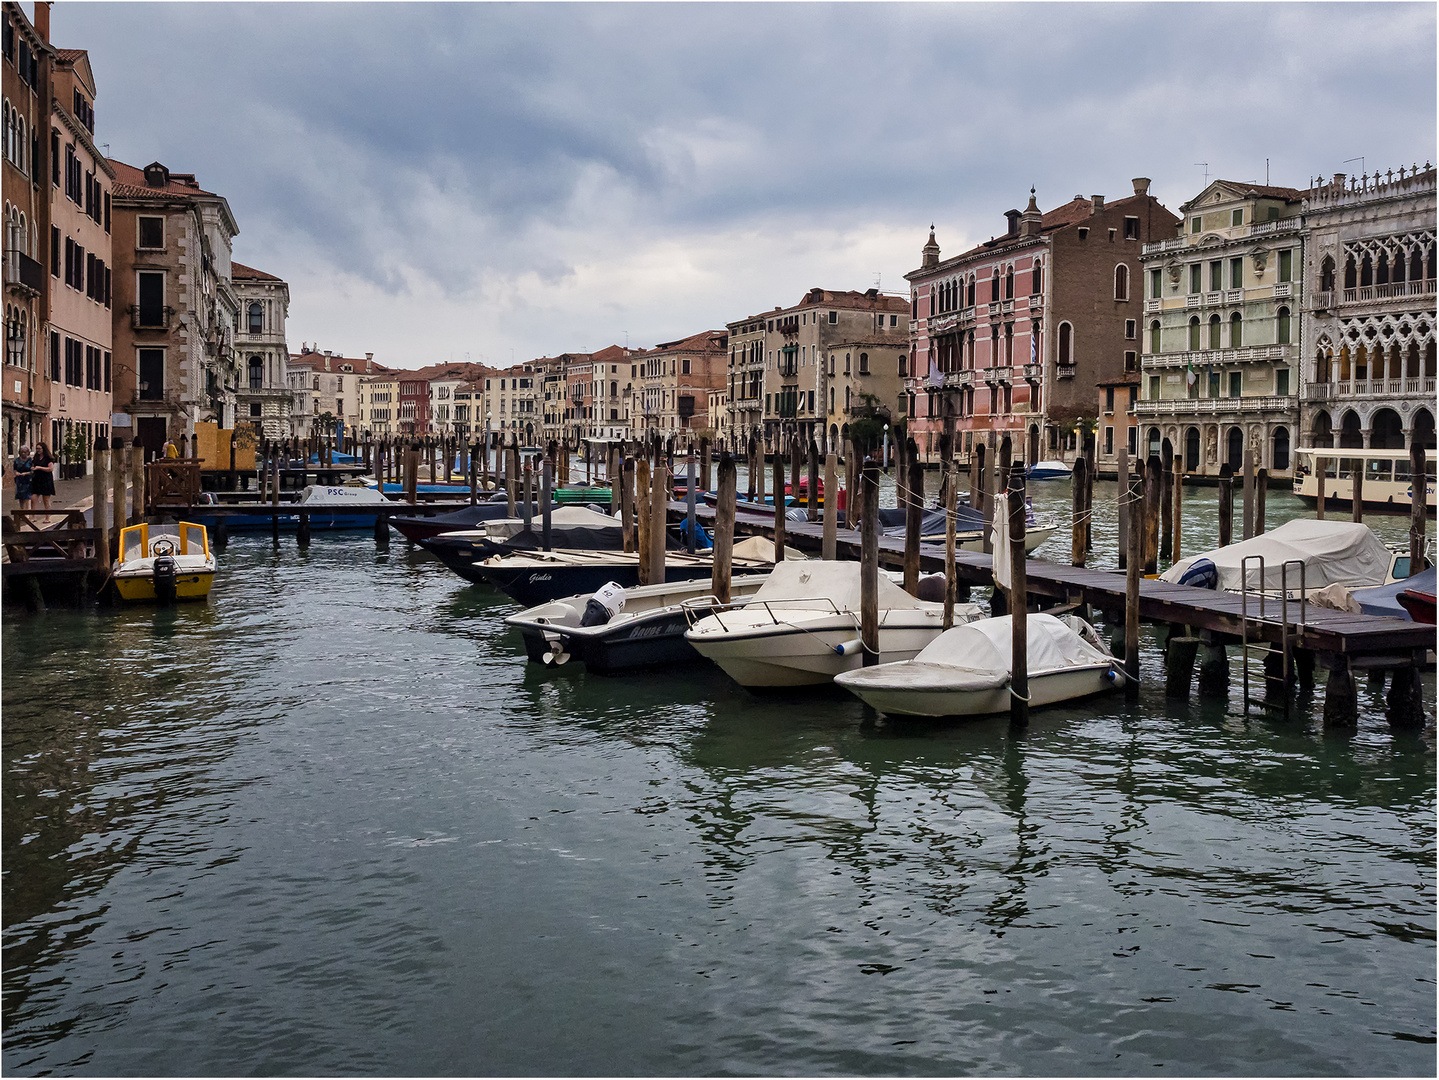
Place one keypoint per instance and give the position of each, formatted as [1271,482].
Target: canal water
[332,823]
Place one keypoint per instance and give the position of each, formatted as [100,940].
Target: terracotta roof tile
[130,184]
[1264,191]
[70,54]
[239,271]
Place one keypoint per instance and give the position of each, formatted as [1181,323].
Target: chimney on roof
[42,20]
[1339,179]
[1013,217]
[1031,221]
[930,251]
[1141,185]
[369,357]
[1098,201]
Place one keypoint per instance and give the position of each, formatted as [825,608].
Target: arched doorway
[1234,449]
[1322,429]
[1422,433]
[1350,437]
[1385,431]
[1279,450]
[1191,449]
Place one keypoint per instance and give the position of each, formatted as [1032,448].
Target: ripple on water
[332,822]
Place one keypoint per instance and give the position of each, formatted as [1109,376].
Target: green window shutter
[1236,273]
[1286,266]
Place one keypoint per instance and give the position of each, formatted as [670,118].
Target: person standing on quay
[23,466]
[42,475]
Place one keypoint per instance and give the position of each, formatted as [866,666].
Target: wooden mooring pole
[101,506]
[913,513]
[1261,488]
[546,480]
[1319,478]
[642,516]
[1153,501]
[1356,480]
[1076,537]
[1166,502]
[724,528]
[1418,498]
[869,566]
[1226,505]
[1133,498]
[1247,525]
[851,485]
[829,544]
[660,485]
[118,471]
[1018,605]
[778,505]
[1177,513]
[627,480]
[1122,469]
[951,577]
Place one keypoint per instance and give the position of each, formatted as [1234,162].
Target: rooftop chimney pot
[1013,217]
[1098,203]
[1141,185]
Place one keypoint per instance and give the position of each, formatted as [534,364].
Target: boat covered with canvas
[967,670]
[802,627]
[1331,553]
[416,527]
[1049,470]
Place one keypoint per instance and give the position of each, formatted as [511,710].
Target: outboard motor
[164,576]
[607,602]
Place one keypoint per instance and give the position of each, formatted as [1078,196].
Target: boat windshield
[135,543]
[193,540]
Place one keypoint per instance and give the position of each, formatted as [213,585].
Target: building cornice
[79,131]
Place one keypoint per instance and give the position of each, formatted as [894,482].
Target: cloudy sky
[510,181]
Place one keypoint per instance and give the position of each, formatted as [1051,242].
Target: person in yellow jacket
[171,450]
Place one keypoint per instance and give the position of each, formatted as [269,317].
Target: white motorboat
[615,629]
[1049,470]
[966,670]
[803,626]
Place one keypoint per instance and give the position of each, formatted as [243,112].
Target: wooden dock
[1346,642]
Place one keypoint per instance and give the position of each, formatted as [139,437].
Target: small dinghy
[802,627]
[966,671]
[164,565]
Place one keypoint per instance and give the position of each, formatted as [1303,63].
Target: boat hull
[795,656]
[534,585]
[1046,689]
[140,588]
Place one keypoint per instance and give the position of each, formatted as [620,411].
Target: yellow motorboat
[164,565]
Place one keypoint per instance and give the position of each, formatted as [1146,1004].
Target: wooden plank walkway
[1323,629]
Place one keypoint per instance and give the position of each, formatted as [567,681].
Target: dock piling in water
[546,480]
[1133,498]
[724,528]
[951,509]
[869,566]
[1122,467]
[913,516]
[101,509]
[660,484]
[1166,501]
[1247,525]
[813,514]
[778,505]
[831,507]
[642,516]
[1226,505]
[1261,487]
[1418,500]
[1018,604]
[1153,505]
[1076,536]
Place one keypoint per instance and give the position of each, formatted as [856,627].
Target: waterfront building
[609,371]
[862,377]
[1368,335]
[512,399]
[1115,428]
[1011,336]
[1222,305]
[26,82]
[669,395]
[325,389]
[263,399]
[719,418]
[174,304]
[775,381]
[379,400]
[79,329]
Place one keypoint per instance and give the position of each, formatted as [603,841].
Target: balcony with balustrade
[1369,388]
[958,380]
[1268,404]
[1248,354]
[1394,290]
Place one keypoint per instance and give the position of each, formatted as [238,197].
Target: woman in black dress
[42,474]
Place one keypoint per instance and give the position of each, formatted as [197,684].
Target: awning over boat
[1333,553]
[1384,599]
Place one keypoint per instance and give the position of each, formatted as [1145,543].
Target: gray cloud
[459,148]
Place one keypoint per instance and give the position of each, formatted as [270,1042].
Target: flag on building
[1192,376]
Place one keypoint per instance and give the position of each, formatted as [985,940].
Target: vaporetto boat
[1387,485]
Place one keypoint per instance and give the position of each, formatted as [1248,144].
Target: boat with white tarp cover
[966,671]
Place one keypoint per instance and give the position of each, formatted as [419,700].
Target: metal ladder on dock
[1276,688]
